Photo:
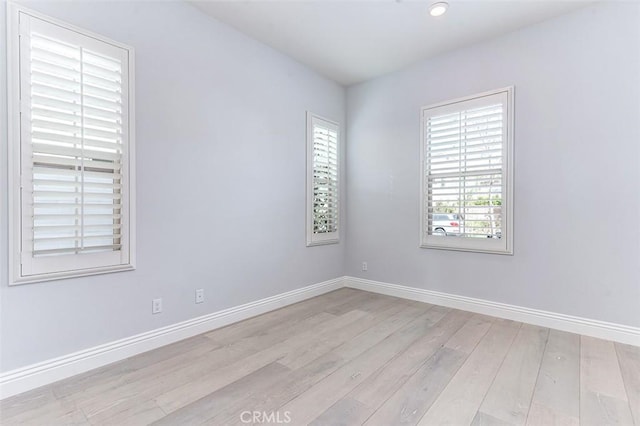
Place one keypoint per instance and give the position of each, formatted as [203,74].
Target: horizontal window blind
[76,144]
[464,158]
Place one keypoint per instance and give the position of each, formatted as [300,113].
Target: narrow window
[467,174]
[71,150]
[323,181]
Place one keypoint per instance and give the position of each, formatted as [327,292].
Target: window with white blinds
[467,151]
[323,179]
[73,144]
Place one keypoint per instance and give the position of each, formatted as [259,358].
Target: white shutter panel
[74,129]
[467,173]
[324,181]
[464,154]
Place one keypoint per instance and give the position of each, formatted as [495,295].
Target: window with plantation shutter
[323,178]
[467,173]
[73,144]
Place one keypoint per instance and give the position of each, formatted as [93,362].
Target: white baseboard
[43,373]
[588,327]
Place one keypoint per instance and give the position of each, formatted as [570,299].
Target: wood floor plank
[597,409]
[354,347]
[131,389]
[53,413]
[296,312]
[124,393]
[259,341]
[109,386]
[233,408]
[350,357]
[196,388]
[270,400]
[302,355]
[142,413]
[133,369]
[214,403]
[25,402]
[540,414]
[143,360]
[509,396]
[148,383]
[409,403]
[461,399]
[469,336]
[305,377]
[599,368]
[311,404]
[483,419]
[415,396]
[603,398]
[556,397]
[346,306]
[346,412]
[374,391]
[629,359]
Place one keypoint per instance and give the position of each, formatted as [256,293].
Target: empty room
[319,212]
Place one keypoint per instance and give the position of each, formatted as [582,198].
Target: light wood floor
[349,358]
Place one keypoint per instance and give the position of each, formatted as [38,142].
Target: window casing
[323,181]
[70,148]
[467,174]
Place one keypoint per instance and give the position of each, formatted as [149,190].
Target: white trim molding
[30,377]
[588,327]
[24,27]
[322,148]
[495,104]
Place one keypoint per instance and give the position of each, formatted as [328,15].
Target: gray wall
[220,183]
[577,161]
[220,150]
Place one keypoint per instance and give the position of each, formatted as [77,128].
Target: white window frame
[502,245]
[314,239]
[71,265]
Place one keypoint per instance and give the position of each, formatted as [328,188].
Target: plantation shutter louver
[324,190]
[465,154]
[74,136]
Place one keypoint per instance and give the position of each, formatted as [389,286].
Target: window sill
[321,243]
[70,274]
[467,249]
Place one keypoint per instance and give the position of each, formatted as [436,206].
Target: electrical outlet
[156,306]
[200,295]
[365,266]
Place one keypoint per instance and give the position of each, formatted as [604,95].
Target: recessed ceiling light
[438,9]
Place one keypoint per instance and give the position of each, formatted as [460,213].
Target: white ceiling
[353,41]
